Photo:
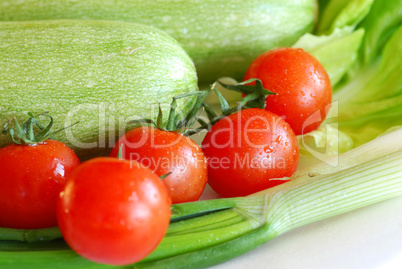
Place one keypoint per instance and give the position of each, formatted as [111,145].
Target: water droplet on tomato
[278,139]
[59,170]
[268,149]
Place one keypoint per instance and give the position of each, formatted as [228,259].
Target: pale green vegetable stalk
[210,232]
[365,175]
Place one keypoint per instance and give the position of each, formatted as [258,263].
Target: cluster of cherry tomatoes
[117,210]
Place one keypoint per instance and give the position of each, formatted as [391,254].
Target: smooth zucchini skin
[100,73]
[222,37]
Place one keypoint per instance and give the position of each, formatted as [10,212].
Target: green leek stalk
[30,236]
[363,176]
[209,232]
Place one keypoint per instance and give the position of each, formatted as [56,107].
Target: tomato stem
[25,134]
[255,97]
[162,177]
[120,153]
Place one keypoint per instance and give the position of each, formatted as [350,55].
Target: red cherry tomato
[302,85]
[247,149]
[31,179]
[167,152]
[113,211]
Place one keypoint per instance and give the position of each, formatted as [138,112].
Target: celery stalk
[210,232]
[361,179]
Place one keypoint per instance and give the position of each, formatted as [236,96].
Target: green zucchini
[222,37]
[100,73]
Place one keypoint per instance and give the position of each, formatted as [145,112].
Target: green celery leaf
[327,140]
[383,20]
[337,52]
[366,107]
[341,13]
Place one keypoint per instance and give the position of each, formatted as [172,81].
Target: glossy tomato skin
[168,152]
[113,211]
[247,149]
[31,179]
[303,88]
